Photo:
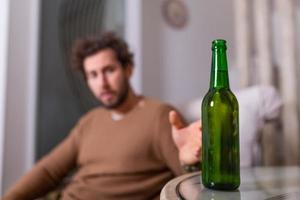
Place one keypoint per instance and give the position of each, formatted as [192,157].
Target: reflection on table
[269,183]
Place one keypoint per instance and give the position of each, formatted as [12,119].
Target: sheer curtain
[266,55]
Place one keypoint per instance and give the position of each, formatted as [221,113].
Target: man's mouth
[107,95]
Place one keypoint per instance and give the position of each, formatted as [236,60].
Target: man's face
[106,78]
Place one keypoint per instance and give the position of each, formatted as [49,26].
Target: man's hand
[187,139]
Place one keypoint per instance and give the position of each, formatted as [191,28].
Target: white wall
[176,62]
[187,53]
[20,90]
[3,68]
[133,35]
[152,79]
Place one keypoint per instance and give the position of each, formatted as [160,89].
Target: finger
[175,120]
[198,124]
[197,151]
[196,130]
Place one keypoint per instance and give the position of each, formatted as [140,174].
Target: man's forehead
[102,57]
[104,54]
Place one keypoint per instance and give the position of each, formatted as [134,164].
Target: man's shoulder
[155,104]
[94,112]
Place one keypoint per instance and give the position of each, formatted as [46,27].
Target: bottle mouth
[218,43]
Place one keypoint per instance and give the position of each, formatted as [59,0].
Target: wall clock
[175,13]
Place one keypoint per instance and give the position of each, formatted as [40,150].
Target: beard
[121,97]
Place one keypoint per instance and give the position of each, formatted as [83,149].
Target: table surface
[268,183]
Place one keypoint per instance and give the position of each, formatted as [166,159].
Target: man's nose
[102,80]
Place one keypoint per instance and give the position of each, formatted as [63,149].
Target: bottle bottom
[221,186]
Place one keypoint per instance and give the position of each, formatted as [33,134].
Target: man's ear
[129,71]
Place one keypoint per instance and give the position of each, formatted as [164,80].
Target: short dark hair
[91,45]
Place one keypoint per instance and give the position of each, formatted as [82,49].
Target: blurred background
[41,98]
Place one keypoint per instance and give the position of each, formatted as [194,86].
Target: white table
[268,183]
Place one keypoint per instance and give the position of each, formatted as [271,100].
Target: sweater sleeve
[49,171]
[165,145]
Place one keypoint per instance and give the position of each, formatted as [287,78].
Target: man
[123,150]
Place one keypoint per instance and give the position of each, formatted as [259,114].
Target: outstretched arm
[186,138]
[47,173]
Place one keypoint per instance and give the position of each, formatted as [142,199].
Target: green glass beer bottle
[220,127]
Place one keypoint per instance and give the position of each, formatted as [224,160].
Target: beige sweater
[132,158]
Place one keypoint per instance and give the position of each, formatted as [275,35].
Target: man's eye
[92,75]
[110,70]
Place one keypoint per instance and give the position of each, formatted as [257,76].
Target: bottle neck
[219,71]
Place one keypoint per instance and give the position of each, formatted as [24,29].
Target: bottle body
[220,131]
